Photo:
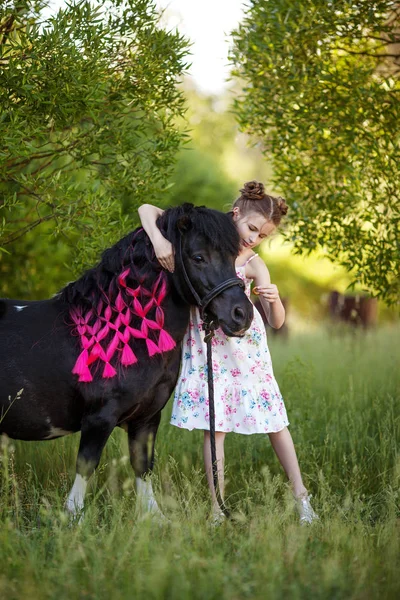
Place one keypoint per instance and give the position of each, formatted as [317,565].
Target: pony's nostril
[238,314]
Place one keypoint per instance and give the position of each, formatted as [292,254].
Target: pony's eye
[198,258]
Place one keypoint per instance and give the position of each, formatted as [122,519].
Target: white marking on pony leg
[76,498]
[56,432]
[19,308]
[145,495]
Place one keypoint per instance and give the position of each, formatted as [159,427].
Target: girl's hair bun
[253,190]
[283,207]
[254,199]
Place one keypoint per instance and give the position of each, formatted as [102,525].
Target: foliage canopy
[322,92]
[88,109]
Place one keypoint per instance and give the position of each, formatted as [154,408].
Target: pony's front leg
[141,438]
[95,431]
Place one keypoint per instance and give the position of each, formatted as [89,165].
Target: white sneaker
[217,518]
[306,512]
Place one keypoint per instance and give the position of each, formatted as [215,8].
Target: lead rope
[209,329]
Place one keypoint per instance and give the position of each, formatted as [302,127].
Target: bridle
[209,327]
[203,303]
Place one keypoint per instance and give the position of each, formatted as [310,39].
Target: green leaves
[322,93]
[88,109]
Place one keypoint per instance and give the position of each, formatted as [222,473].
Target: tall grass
[341,392]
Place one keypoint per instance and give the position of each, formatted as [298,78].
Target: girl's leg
[219,447]
[283,446]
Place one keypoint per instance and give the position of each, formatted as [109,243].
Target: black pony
[105,350]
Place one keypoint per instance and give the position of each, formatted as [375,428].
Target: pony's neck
[110,308]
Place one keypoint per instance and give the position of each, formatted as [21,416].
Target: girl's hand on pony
[270,292]
[165,254]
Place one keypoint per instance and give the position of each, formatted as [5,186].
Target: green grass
[342,397]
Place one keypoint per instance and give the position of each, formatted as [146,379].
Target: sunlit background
[218,158]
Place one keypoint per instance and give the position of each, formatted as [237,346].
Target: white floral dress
[247,396]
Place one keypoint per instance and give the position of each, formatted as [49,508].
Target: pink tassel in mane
[114,313]
[128,357]
[165,341]
[86,376]
[81,363]
[109,371]
[81,367]
[152,348]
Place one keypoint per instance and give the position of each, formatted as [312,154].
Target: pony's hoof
[152,511]
[160,519]
[156,517]
[75,515]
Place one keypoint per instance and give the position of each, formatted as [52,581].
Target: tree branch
[361,53]
[21,232]
[34,194]
[6,28]
[396,40]
[13,165]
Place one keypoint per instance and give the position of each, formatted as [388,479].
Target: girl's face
[253,228]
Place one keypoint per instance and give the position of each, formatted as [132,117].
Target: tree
[214,131]
[198,178]
[216,160]
[322,92]
[88,105]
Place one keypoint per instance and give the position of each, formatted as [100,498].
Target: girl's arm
[267,292]
[148,215]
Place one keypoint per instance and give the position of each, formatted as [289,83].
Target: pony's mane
[132,251]
[216,227]
[121,298]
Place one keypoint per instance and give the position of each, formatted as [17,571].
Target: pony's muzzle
[234,317]
[241,318]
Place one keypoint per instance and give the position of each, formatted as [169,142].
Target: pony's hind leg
[95,431]
[141,438]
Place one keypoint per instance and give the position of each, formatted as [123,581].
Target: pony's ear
[184,223]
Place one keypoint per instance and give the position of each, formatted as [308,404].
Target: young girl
[247,396]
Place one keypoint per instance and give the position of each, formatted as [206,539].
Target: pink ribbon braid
[114,317]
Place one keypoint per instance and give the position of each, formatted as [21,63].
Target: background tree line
[321,90]
[88,109]
[94,121]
